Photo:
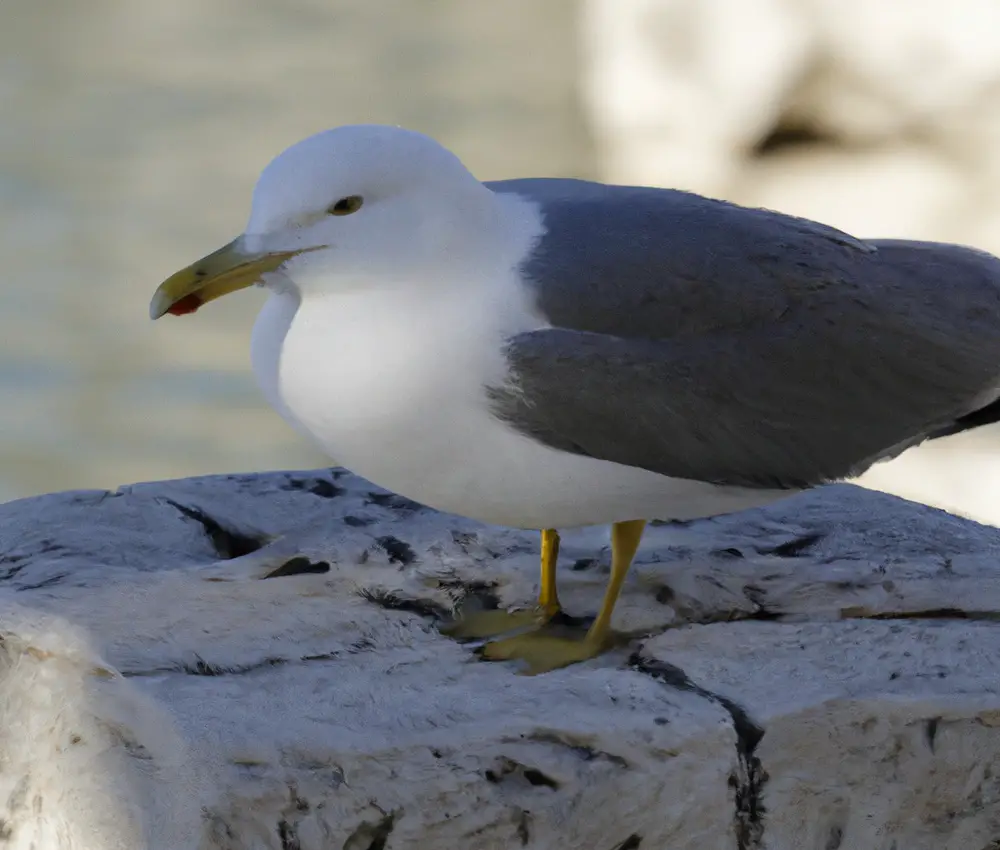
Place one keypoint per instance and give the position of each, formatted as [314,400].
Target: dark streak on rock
[11,571]
[509,767]
[288,835]
[399,551]
[45,582]
[201,667]
[540,780]
[794,548]
[583,751]
[482,594]
[299,566]
[317,486]
[391,500]
[321,656]
[665,594]
[923,614]
[748,782]
[15,563]
[690,611]
[757,596]
[631,843]
[369,836]
[524,827]
[931,730]
[228,542]
[358,521]
[464,539]
[394,602]
[834,839]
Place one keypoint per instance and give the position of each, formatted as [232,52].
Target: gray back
[704,340]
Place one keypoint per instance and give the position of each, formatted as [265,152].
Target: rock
[255,662]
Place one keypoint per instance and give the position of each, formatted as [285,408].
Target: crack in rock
[505,768]
[317,486]
[45,582]
[523,827]
[15,566]
[371,836]
[14,563]
[201,667]
[862,613]
[392,601]
[358,521]
[391,500]
[690,611]
[399,551]
[794,548]
[288,831]
[931,730]
[583,751]
[227,542]
[472,593]
[297,566]
[834,839]
[749,779]
[288,835]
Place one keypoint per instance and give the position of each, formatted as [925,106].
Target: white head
[354,204]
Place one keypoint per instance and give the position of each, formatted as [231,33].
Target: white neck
[385,376]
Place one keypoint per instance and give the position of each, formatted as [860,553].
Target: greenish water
[130,139]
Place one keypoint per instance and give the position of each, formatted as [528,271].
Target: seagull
[548,353]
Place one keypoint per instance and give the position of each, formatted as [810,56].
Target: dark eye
[346,206]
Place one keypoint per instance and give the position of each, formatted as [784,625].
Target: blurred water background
[132,133]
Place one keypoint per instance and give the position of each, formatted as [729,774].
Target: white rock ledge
[254,662]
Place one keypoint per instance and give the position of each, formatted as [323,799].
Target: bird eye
[346,206]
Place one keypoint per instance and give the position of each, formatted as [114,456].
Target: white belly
[394,392]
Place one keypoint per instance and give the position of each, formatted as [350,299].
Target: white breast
[391,385]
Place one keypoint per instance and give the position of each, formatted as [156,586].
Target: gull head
[344,208]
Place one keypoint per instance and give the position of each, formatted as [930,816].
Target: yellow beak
[221,272]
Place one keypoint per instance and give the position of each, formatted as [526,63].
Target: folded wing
[703,340]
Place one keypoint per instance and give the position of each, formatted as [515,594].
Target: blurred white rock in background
[881,117]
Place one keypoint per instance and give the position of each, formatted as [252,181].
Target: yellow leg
[548,594]
[544,652]
[625,539]
[490,623]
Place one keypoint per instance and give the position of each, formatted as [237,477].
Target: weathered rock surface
[254,662]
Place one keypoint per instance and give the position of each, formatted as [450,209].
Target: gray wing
[703,340]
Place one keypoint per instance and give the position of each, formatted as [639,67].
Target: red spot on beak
[188,304]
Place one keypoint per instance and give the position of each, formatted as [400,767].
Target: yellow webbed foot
[481,624]
[543,652]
